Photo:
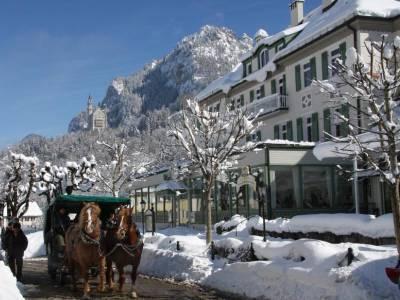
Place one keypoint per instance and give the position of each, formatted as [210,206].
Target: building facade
[276,76]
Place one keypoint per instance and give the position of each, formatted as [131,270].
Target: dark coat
[16,244]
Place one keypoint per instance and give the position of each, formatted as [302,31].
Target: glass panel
[315,187]
[283,187]
[344,192]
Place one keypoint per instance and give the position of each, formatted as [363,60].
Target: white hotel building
[276,76]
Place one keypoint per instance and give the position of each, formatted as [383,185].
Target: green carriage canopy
[100,199]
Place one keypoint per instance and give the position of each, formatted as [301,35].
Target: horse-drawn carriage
[74,231]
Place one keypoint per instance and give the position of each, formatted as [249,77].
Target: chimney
[296,12]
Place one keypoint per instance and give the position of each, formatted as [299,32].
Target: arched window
[264,57]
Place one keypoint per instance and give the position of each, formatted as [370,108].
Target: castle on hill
[96,116]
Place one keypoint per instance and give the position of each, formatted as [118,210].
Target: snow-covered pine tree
[209,140]
[373,83]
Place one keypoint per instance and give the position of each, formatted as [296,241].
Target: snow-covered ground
[8,284]
[286,269]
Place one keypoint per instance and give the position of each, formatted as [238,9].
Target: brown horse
[124,247]
[82,249]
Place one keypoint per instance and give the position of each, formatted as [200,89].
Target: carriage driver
[61,224]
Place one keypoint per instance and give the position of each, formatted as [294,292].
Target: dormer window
[248,68]
[264,57]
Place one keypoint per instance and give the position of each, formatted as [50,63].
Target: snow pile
[340,224]
[232,223]
[8,284]
[302,269]
[36,246]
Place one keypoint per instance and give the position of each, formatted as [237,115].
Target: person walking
[16,244]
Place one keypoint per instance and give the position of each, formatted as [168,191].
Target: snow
[36,247]
[339,224]
[319,22]
[315,24]
[287,269]
[8,284]
[33,210]
[223,83]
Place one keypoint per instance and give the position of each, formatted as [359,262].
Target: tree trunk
[209,183]
[395,199]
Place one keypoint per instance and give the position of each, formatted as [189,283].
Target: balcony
[269,104]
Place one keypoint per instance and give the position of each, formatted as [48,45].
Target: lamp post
[143,206]
[153,220]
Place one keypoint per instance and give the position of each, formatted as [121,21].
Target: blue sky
[54,53]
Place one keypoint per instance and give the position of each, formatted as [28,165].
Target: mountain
[196,61]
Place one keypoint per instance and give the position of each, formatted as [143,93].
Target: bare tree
[375,84]
[19,179]
[209,140]
[120,168]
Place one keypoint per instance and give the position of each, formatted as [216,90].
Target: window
[98,123]
[309,129]
[307,74]
[316,187]
[335,54]
[338,123]
[264,58]
[298,78]
[232,105]
[261,92]
[283,187]
[282,85]
[251,96]
[284,132]
[254,137]
[248,68]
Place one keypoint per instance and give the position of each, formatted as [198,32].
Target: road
[39,286]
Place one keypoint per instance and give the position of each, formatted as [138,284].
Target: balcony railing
[269,104]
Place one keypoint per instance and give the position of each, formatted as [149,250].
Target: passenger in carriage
[61,224]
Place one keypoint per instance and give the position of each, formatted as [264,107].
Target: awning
[172,186]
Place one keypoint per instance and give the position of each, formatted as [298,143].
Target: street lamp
[143,206]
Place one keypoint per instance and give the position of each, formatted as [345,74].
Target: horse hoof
[134,295]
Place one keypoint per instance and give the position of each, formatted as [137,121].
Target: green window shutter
[244,70]
[251,95]
[345,112]
[289,129]
[313,65]
[298,78]
[284,84]
[258,135]
[273,86]
[325,66]
[327,121]
[248,138]
[262,91]
[342,49]
[314,127]
[242,100]
[276,132]
[299,125]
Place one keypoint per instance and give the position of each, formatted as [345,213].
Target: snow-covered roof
[223,83]
[261,33]
[33,210]
[320,22]
[171,185]
[315,24]
[269,40]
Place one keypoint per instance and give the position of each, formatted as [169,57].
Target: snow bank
[8,284]
[36,246]
[339,224]
[302,269]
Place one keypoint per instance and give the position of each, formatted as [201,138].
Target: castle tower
[90,106]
